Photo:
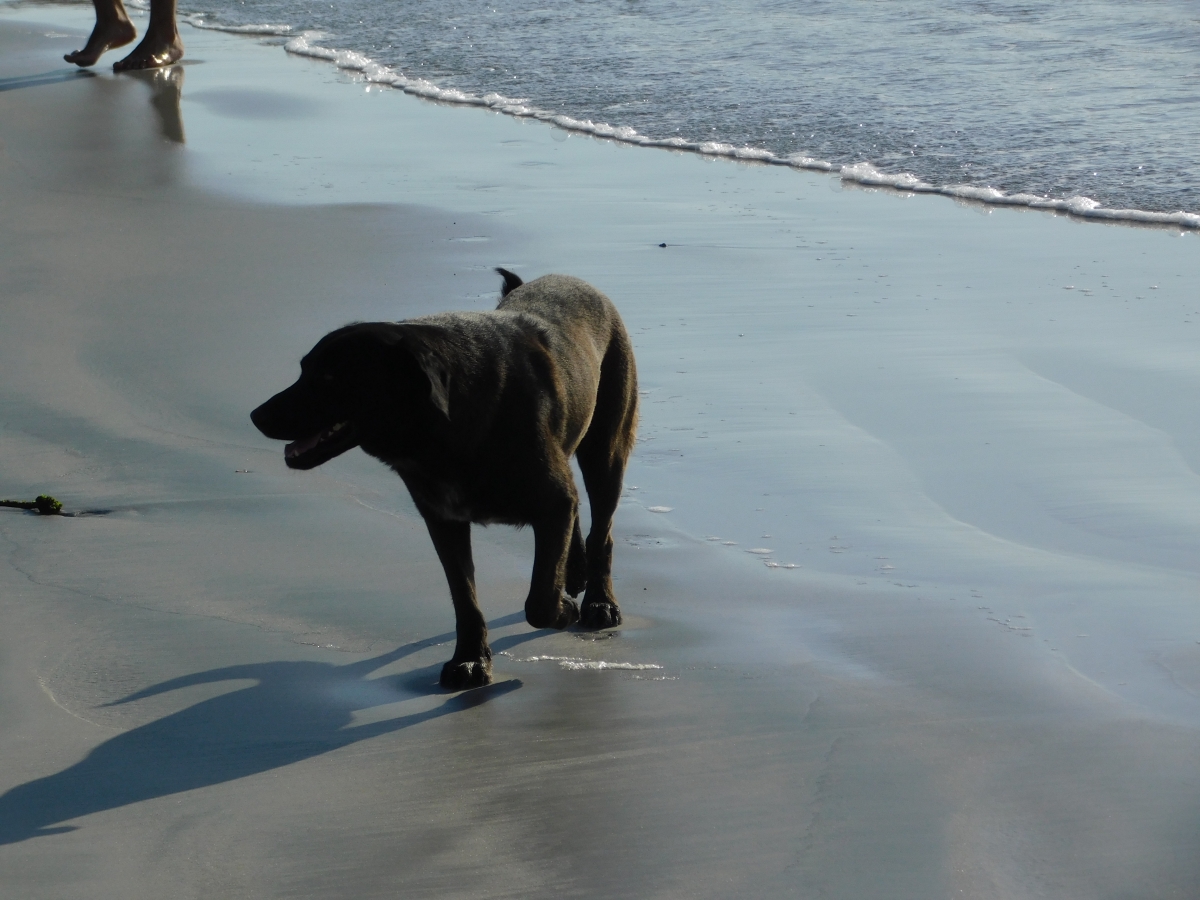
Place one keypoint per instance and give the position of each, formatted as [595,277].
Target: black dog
[480,414]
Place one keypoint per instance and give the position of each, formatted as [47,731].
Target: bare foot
[151,53]
[104,37]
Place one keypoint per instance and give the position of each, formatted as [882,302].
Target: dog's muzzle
[310,452]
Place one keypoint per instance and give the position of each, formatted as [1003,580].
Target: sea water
[1088,105]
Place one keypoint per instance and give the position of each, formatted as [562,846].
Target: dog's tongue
[295,448]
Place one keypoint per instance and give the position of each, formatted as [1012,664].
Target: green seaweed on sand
[43,504]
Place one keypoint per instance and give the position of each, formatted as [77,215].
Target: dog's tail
[511,282]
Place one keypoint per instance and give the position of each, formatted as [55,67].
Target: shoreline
[970,432]
[863,173]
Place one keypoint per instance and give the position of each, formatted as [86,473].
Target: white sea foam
[304,44]
[1084,207]
[576,664]
[199,21]
[597,665]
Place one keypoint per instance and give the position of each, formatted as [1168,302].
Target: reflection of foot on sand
[154,51]
[110,33]
[166,88]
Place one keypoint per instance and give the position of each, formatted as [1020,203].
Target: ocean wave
[197,20]
[862,173]
[1084,207]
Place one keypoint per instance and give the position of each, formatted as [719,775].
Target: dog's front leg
[471,665]
[546,607]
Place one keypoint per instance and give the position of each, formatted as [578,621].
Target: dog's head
[355,382]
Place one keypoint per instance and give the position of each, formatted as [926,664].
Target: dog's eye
[328,377]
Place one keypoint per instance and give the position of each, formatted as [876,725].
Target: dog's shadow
[292,711]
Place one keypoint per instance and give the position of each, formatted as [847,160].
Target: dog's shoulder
[474,335]
[477,348]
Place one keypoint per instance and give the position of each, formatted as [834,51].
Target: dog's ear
[426,346]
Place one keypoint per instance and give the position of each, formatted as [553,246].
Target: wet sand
[909,534]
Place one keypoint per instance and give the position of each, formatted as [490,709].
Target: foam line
[577,664]
[859,173]
[199,21]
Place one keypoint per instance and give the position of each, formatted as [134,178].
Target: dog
[480,413]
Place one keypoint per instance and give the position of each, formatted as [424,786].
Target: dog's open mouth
[311,452]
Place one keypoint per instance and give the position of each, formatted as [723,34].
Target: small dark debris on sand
[44,505]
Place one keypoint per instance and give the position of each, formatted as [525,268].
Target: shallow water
[1057,100]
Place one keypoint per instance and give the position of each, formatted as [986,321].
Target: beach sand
[907,552]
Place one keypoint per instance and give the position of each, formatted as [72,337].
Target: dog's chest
[447,502]
[445,499]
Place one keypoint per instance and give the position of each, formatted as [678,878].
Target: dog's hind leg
[576,561]
[603,481]
[471,665]
[603,454]
[546,607]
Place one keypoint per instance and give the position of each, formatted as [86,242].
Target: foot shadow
[28,81]
[293,711]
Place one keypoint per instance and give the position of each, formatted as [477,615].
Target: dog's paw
[565,616]
[570,613]
[604,614]
[459,676]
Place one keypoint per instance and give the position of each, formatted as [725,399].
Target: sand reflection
[166,90]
